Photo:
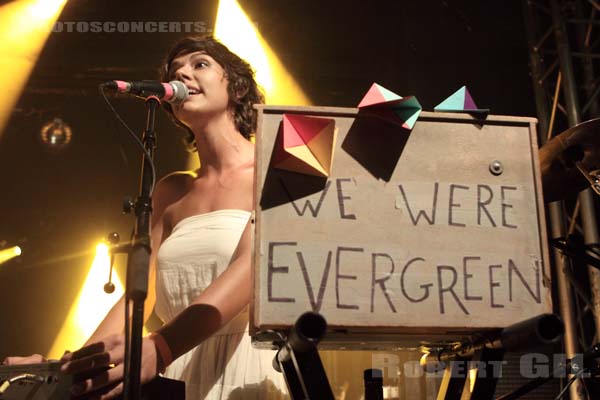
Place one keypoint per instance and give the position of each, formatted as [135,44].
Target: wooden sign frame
[340,245]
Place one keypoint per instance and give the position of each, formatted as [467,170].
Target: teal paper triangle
[388,95]
[409,111]
[456,101]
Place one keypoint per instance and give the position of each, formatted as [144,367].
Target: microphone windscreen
[180,92]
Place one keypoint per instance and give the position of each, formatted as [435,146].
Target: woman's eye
[201,64]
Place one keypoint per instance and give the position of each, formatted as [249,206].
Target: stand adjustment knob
[128,205]
[109,287]
[113,238]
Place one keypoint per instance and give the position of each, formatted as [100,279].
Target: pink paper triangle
[373,96]
[298,130]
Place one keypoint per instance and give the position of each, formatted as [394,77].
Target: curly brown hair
[242,88]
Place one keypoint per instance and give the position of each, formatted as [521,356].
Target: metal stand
[546,20]
[299,360]
[139,262]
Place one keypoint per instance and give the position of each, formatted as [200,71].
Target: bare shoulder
[171,187]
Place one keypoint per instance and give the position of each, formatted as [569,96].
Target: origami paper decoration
[388,105]
[305,145]
[460,101]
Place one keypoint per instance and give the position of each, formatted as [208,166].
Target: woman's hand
[32,359]
[99,366]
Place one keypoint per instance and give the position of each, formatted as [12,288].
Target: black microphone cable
[132,134]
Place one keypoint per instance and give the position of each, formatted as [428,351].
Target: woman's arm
[106,346]
[212,309]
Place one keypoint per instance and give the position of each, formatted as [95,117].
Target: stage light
[24,28]
[56,134]
[90,307]
[234,29]
[9,253]
[43,10]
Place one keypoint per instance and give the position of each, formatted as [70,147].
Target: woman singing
[200,265]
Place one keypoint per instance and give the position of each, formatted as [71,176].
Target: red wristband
[163,349]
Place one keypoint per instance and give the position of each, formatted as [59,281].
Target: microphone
[172,92]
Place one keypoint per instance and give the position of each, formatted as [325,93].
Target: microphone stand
[138,262]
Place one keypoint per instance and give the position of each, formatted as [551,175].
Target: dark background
[57,206]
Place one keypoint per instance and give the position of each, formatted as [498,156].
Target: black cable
[592,249]
[137,140]
[575,251]
[573,379]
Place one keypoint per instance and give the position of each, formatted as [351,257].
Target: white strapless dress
[225,366]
